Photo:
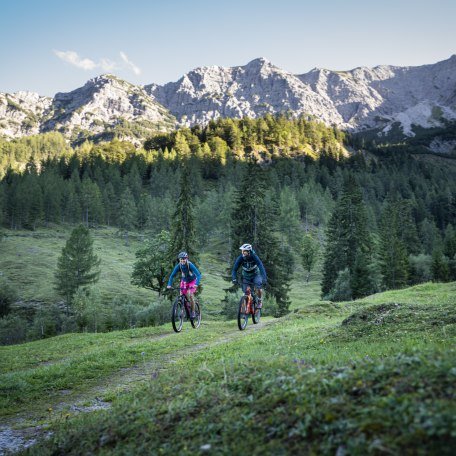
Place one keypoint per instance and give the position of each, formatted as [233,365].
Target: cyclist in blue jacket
[190,278]
[253,272]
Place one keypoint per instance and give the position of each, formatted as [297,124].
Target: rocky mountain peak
[362,98]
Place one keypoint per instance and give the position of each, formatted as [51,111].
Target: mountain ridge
[363,98]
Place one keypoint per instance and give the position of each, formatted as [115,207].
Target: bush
[420,268]
[13,330]
[230,305]
[7,296]
[47,322]
[342,290]
[121,313]
[89,312]
[155,314]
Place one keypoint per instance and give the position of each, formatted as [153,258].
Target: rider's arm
[171,277]
[237,263]
[195,271]
[260,265]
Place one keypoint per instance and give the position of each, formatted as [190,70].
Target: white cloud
[130,64]
[74,59]
[107,65]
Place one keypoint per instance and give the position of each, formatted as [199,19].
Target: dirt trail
[24,429]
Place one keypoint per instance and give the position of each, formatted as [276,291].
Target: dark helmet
[182,255]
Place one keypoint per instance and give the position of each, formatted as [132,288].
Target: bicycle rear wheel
[197,320]
[243,316]
[177,315]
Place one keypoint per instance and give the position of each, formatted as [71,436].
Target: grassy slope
[28,259]
[370,376]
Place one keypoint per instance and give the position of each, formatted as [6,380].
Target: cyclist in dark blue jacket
[253,272]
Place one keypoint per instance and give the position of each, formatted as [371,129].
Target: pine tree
[2,204]
[309,253]
[439,267]
[347,240]
[127,213]
[408,233]
[289,220]
[393,250]
[77,266]
[34,201]
[181,146]
[254,221]
[183,236]
[110,204]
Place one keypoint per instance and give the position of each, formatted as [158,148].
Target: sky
[49,46]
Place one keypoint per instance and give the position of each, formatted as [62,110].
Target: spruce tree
[440,267]
[393,250]
[183,236]
[348,241]
[254,220]
[127,213]
[77,266]
[309,253]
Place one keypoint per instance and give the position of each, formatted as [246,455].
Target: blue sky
[50,46]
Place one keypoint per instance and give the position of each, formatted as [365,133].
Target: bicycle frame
[251,300]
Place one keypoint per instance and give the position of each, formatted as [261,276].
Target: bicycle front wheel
[243,316]
[177,315]
[197,320]
[256,315]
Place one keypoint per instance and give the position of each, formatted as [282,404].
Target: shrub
[121,313]
[7,296]
[342,289]
[420,268]
[230,305]
[154,314]
[89,312]
[46,323]
[13,329]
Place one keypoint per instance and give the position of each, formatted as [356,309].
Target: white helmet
[245,247]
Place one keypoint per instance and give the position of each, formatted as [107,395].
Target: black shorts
[254,281]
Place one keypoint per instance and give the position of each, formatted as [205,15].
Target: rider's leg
[191,299]
[259,292]
[190,295]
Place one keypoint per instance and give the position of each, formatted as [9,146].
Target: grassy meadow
[373,376]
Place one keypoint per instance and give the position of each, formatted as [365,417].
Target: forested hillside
[301,177]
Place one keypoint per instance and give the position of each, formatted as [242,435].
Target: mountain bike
[182,310]
[248,306]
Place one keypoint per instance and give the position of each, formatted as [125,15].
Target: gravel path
[22,431]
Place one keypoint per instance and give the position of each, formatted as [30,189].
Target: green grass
[28,259]
[371,376]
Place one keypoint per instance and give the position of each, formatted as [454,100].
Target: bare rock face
[252,90]
[104,101]
[360,99]
[21,113]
